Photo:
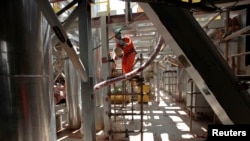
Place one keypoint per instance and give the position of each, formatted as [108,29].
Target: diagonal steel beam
[221,88]
[52,19]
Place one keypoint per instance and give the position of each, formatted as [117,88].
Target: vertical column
[128,12]
[247,40]
[227,47]
[97,53]
[156,78]
[158,82]
[72,95]
[86,55]
[26,99]
[105,74]
[164,81]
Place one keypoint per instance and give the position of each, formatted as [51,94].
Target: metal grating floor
[163,121]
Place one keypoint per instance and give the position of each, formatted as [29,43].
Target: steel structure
[163,34]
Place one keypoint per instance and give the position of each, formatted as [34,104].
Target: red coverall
[129,54]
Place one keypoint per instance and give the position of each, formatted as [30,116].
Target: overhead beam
[120,19]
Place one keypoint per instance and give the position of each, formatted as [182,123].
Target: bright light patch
[182,112]
[146,137]
[118,6]
[170,112]
[139,117]
[157,112]
[182,126]
[162,104]
[176,118]
[173,108]
[100,132]
[75,131]
[187,136]
[218,17]
[156,117]
[164,137]
[64,137]
[203,129]
[161,93]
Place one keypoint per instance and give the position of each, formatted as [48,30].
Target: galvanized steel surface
[73,96]
[27,106]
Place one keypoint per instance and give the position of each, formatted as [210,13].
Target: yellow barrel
[145,89]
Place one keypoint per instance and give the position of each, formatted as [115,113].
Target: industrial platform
[164,121]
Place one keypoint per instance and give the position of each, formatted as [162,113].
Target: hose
[131,74]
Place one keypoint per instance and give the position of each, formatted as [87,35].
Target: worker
[125,49]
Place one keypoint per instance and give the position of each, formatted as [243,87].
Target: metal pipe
[240,54]
[155,79]
[132,99]
[211,20]
[72,95]
[108,7]
[99,116]
[127,12]
[69,5]
[51,17]
[191,104]
[227,47]
[157,82]
[27,106]
[67,24]
[233,58]
[97,65]
[131,74]
[105,73]
[86,54]
[161,67]
[237,33]
[141,83]
[58,74]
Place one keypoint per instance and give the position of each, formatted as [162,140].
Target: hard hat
[118,51]
[117,31]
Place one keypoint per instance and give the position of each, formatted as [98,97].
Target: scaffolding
[193,104]
[170,81]
[129,91]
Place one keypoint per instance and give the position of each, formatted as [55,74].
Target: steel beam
[86,54]
[213,76]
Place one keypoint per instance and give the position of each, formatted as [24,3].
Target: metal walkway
[215,79]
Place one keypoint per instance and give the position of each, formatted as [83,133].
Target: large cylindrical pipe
[26,99]
[97,65]
[73,95]
[98,78]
